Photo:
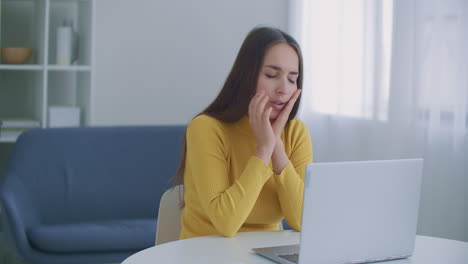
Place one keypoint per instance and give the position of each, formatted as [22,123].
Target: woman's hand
[279,158]
[259,119]
[280,122]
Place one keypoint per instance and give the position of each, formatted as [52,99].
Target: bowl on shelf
[16,55]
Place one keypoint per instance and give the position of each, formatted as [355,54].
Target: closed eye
[271,76]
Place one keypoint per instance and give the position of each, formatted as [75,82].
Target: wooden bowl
[16,55]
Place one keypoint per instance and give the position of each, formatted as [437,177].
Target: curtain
[388,80]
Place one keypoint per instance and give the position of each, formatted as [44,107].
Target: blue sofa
[87,195]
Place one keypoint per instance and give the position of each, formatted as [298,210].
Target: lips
[278,106]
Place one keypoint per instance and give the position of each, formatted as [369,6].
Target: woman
[245,154]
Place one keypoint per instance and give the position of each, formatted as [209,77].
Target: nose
[282,86]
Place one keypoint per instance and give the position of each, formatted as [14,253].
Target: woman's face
[278,76]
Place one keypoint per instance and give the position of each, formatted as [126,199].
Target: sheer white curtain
[388,79]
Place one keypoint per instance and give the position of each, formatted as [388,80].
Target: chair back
[168,225]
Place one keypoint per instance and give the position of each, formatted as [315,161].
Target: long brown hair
[232,102]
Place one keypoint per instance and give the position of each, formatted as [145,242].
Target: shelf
[21,94]
[69,68]
[30,67]
[22,24]
[78,13]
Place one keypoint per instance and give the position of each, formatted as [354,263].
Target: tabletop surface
[238,249]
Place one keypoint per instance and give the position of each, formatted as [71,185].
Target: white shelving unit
[28,90]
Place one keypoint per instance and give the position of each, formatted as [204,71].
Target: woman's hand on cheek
[259,119]
[280,122]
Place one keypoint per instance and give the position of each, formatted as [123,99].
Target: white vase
[66,44]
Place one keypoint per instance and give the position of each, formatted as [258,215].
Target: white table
[237,250]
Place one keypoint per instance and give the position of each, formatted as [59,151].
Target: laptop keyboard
[291,257]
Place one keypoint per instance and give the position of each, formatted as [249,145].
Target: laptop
[356,212]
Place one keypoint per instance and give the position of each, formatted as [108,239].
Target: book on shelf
[19,123]
[9,136]
[11,129]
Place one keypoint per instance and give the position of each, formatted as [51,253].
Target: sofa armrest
[18,212]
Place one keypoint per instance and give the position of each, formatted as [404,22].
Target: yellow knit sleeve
[290,182]
[227,203]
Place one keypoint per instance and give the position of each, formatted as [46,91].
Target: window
[347,55]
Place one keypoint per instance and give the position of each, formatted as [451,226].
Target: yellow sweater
[229,190]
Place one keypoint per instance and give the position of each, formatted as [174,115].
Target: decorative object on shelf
[67,44]
[16,55]
[10,129]
[64,116]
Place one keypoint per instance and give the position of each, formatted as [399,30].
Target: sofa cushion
[115,235]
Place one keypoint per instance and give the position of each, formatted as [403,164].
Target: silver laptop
[356,212]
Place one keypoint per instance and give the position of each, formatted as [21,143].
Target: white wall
[162,62]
